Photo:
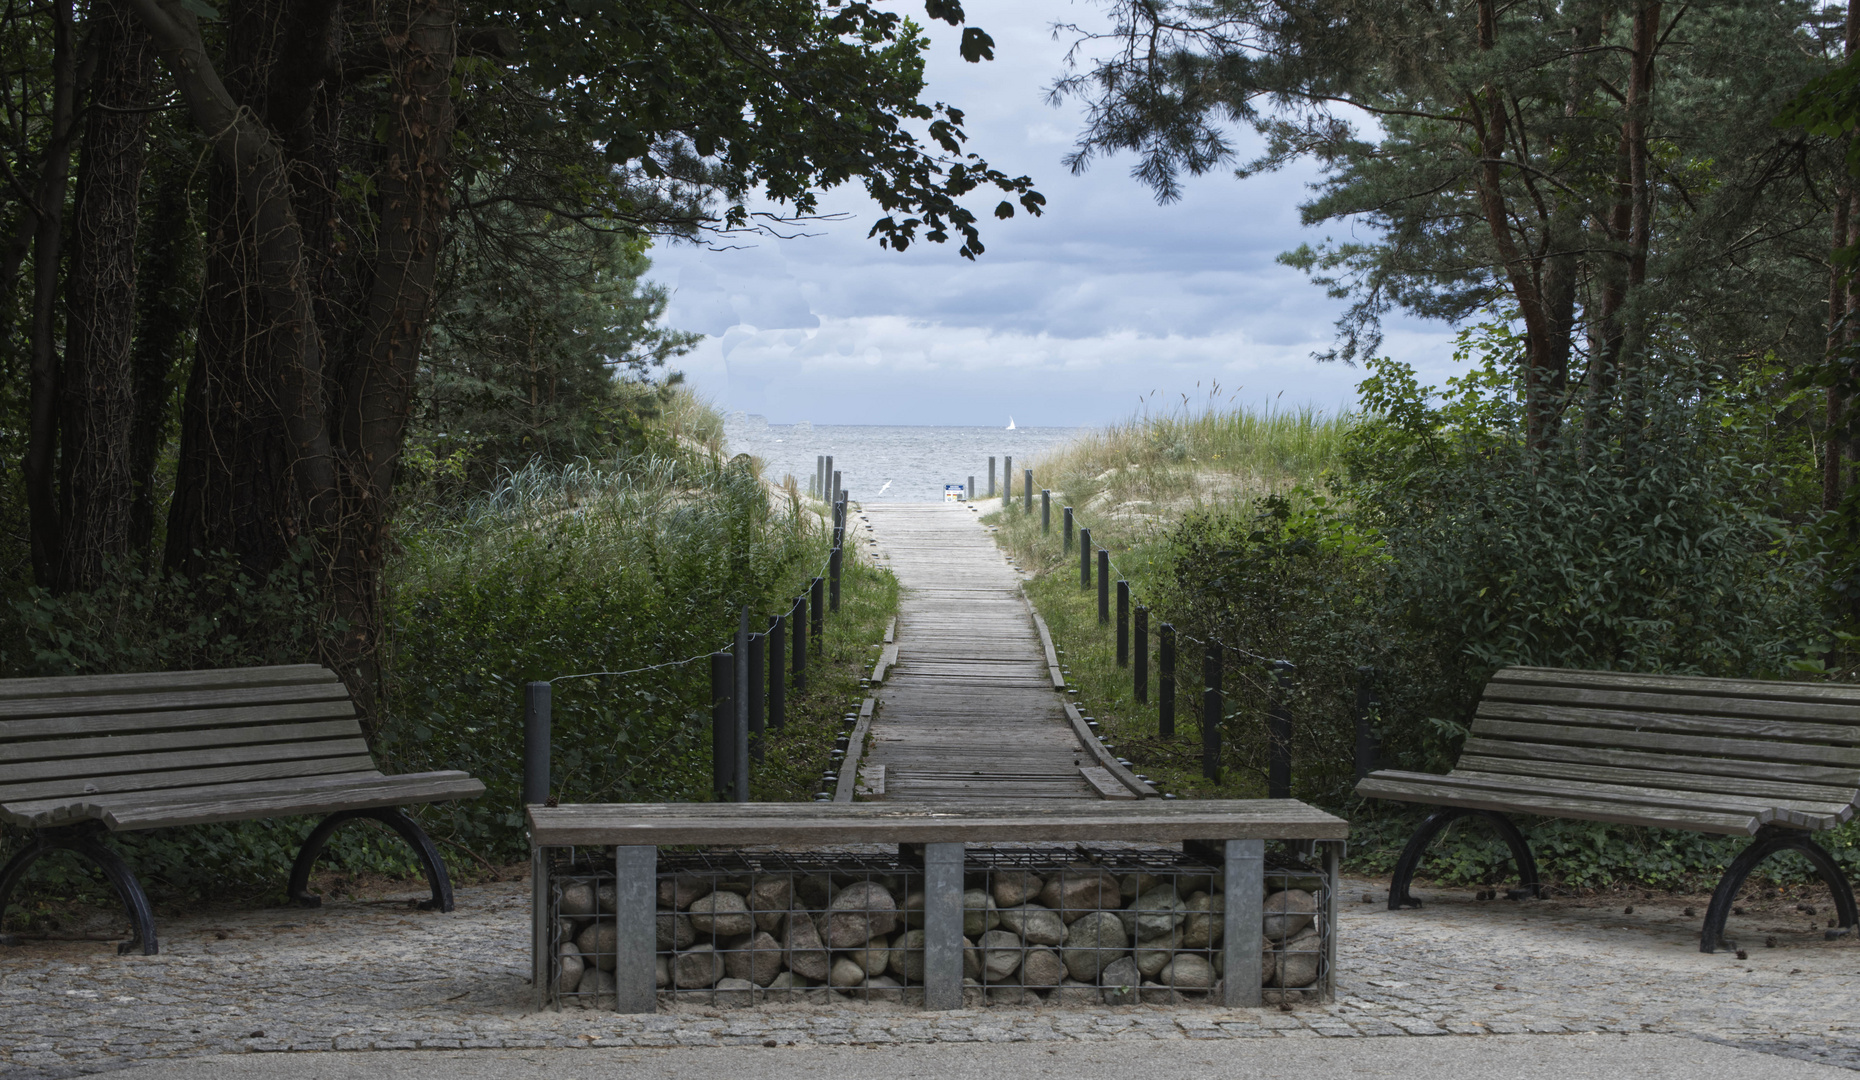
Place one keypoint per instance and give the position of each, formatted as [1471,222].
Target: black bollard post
[739,700]
[991,480]
[1104,587]
[535,743]
[722,726]
[1084,558]
[817,596]
[836,487]
[797,635]
[833,576]
[1367,748]
[991,486]
[1279,733]
[826,482]
[1165,680]
[1046,511]
[1140,679]
[1007,483]
[1026,493]
[1123,623]
[778,682]
[758,693]
[1067,550]
[1211,671]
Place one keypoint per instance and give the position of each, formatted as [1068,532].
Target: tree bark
[99,389]
[256,473]
[1842,302]
[47,251]
[167,299]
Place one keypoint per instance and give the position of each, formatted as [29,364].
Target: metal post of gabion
[938,925]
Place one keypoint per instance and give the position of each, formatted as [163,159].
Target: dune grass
[1146,470]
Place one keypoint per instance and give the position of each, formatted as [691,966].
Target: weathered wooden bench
[87,754]
[1230,836]
[1776,761]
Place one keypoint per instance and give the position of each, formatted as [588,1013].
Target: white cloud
[1071,317]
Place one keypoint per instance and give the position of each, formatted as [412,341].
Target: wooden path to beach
[968,712]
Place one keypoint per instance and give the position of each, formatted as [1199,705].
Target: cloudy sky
[1071,318]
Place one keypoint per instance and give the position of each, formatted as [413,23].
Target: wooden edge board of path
[740,824]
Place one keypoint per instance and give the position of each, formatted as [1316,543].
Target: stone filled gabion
[1067,935]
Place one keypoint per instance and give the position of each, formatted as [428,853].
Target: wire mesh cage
[1066,926]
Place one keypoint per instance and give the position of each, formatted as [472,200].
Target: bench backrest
[1729,736]
[121,733]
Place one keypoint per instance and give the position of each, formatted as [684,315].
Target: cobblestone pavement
[358,976]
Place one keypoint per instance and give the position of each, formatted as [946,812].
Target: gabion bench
[1020,902]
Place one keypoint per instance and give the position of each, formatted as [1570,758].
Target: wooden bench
[1776,761]
[1229,834]
[83,755]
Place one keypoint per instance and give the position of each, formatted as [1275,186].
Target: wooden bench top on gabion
[940,905]
[80,755]
[1771,760]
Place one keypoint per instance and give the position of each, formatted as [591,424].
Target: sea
[886,463]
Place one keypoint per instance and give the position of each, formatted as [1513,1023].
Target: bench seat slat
[217,804]
[39,708]
[1432,792]
[1640,701]
[129,723]
[1832,775]
[1806,815]
[1689,745]
[70,786]
[1688,781]
[998,821]
[90,805]
[1677,723]
[1695,685]
[190,738]
[180,759]
[57,686]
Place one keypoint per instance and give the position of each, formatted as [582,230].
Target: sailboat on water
[1010,426]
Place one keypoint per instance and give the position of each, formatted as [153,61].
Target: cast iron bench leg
[1437,822]
[1769,840]
[394,818]
[85,842]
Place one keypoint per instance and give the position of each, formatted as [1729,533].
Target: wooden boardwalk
[968,713]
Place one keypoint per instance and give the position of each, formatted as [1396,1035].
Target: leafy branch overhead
[783,99]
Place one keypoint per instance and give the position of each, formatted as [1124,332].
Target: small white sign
[953,493]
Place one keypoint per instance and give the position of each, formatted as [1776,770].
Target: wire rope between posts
[792,608]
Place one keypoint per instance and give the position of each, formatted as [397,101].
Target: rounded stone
[859,912]
[882,988]
[758,959]
[1074,893]
[576,900]
[735,993]
[680,891]
[1205,921]
[1153,913]
[978,913]
[697,968]
[806,954]
[1297,960]
[597,990]
[770,897]
[1042,968]
[675,931]
[846,972]
[874,956]
[1093,942]
[1013,888]
[1288,911]
[721,914]
[1131,886]
[914,909]
[1187,972]
[1001,952]
[907,956]
[1154,955]
[971,962]
[1074,992]
[1120,980]
[1036,925]
[568,969]
[598,944]
[661,972]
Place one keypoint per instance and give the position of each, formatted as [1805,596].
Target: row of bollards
[764,662]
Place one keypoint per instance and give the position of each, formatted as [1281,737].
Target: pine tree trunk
[47,254]
[97,465]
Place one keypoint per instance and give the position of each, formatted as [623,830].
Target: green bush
[565,571]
